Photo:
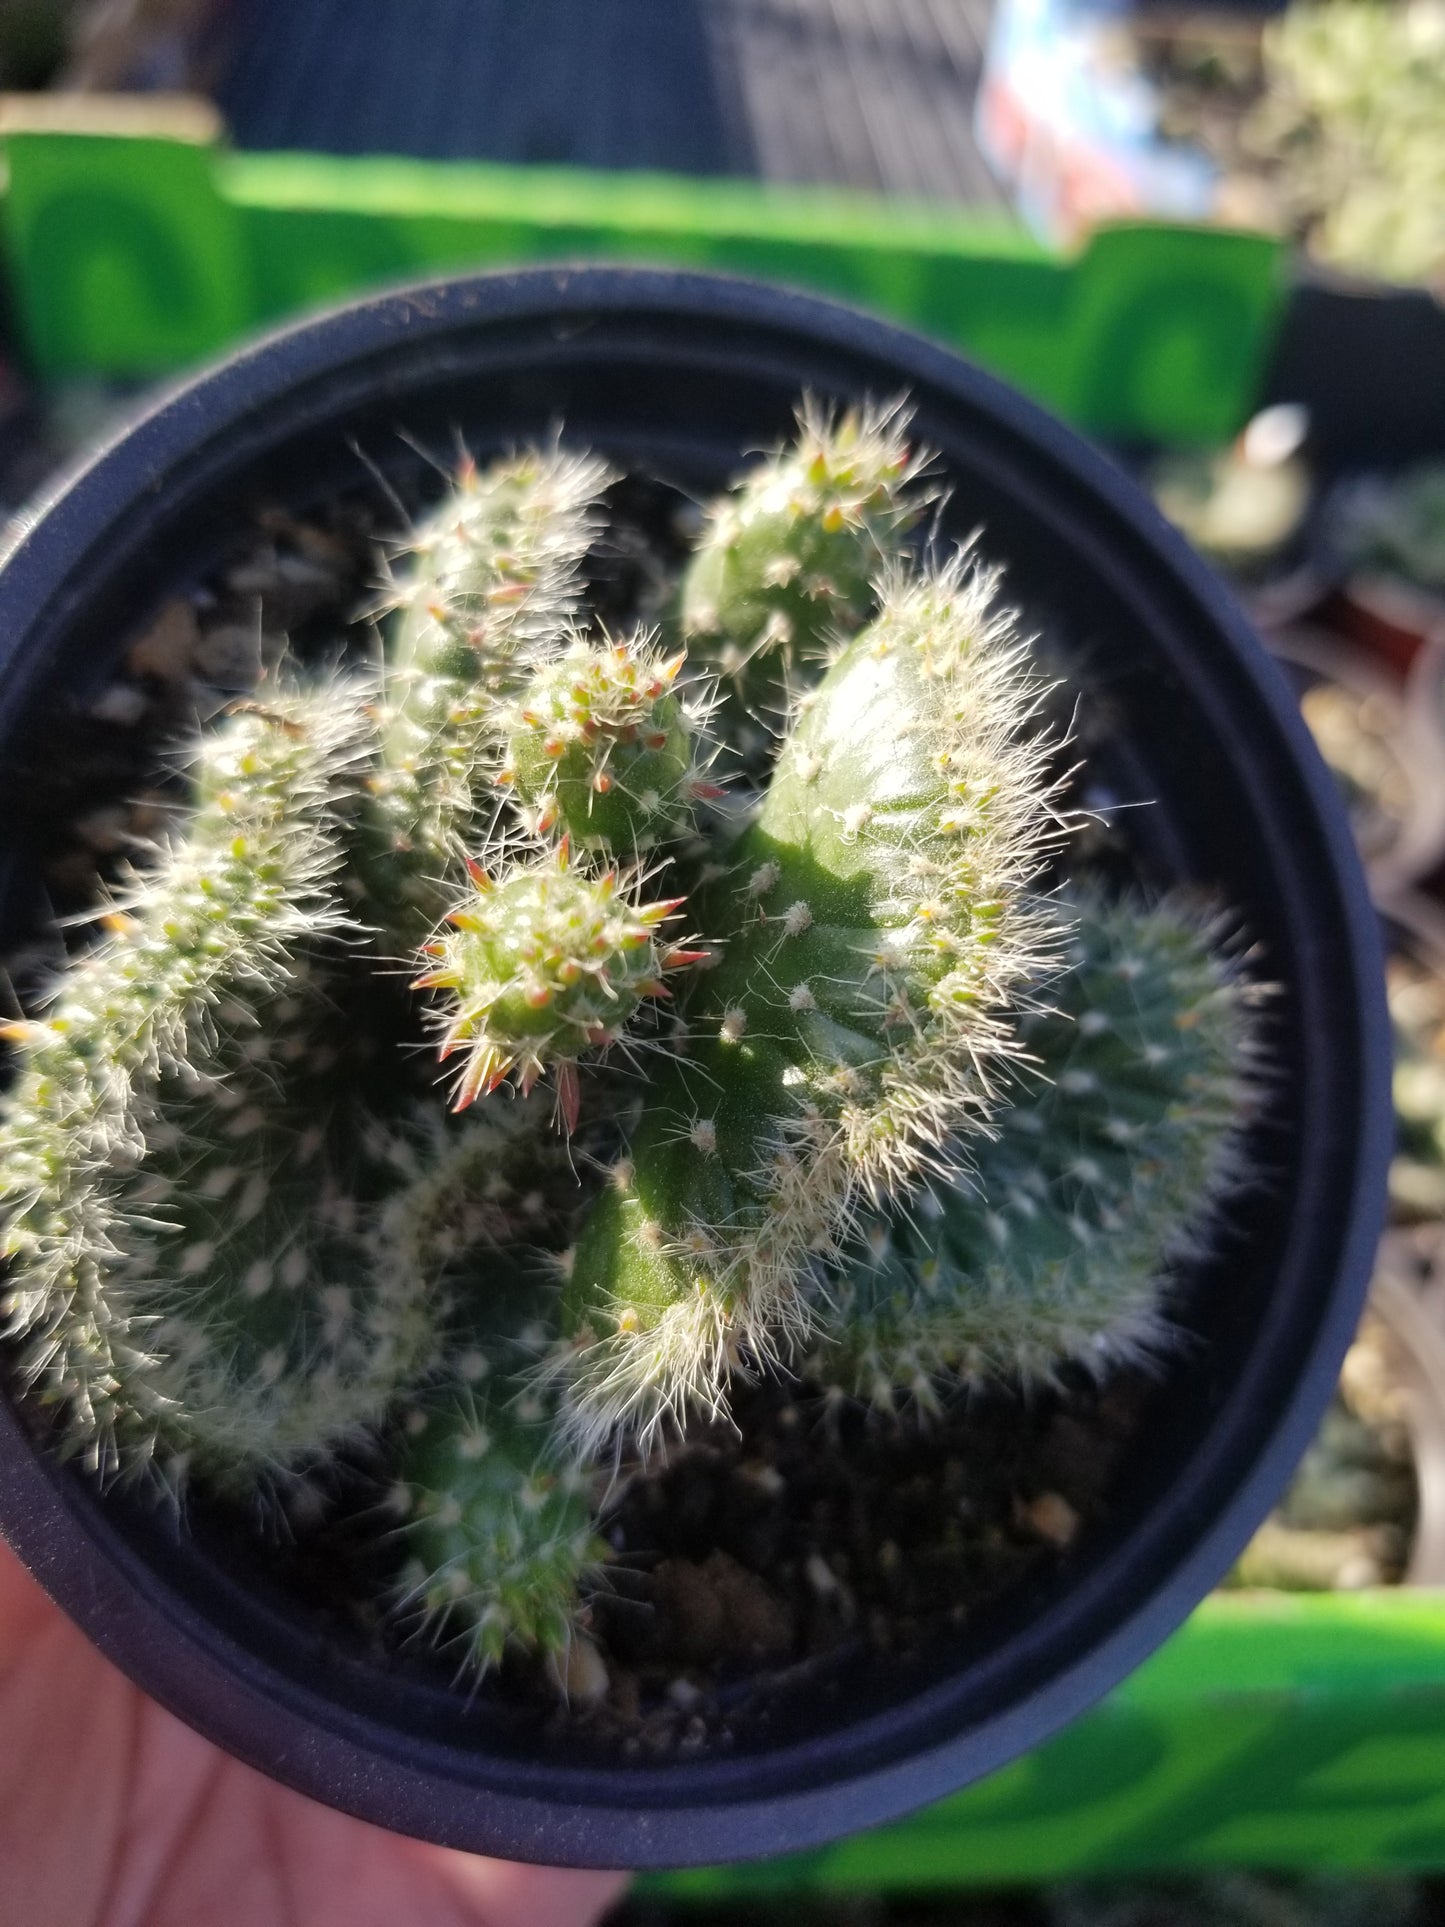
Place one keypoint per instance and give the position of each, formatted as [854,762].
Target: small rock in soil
[1052,1517]
[580,1673]
[231,656]
[122,705]
[719,1610]
[166,648]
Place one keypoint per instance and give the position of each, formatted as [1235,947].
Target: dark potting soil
[760,1559]
[760,1563]
[818,1533]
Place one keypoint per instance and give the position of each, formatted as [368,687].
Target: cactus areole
[782,1030]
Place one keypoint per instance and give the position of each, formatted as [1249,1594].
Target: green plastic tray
[1291,1731]
[134,255]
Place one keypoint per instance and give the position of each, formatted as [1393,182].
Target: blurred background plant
[1346,136]
[1324,126]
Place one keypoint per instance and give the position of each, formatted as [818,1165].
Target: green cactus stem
[789,558]
[601,748]
[495,1515]
[1105,1175]
[220,917]
[543,964]
[492,1508]
[493,586]
[498,1180]
[870,939]
[223,1265]
[272,1339]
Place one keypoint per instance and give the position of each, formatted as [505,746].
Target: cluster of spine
[543,966]
[829,996]
[601,748]
[789,560]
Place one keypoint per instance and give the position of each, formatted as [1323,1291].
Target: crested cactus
[872,931]
[776,1020]
[1100,1177]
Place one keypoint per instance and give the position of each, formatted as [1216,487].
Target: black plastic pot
[1368,360]
[679,375]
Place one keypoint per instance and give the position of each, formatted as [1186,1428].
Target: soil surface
[818,1532]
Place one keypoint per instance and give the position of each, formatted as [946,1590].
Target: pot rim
[720,1809]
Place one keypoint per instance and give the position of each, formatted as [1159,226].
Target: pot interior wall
[684,398]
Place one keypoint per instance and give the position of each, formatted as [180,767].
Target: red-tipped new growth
[544,964]
[601,747]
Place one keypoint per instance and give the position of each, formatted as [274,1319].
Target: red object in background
[1390,619]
